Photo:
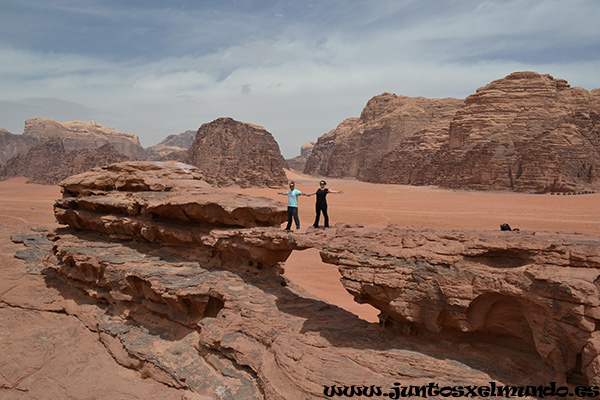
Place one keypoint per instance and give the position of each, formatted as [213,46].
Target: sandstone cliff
[184,281]
[77,135]
[49,162]
[525,132]
[173,148]
[229,152]
[387,121]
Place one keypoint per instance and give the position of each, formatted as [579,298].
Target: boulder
[230,152]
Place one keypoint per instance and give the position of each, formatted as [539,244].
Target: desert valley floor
[24,207]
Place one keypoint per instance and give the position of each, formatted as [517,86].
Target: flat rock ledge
[185,281]
[526,290]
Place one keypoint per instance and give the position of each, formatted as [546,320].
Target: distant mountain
[299,162]
[386,121]
[78,135]
[174,147]
[12,145]
[49,162]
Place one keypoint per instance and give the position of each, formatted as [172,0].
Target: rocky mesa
[12,145]
[187,282]
[524,132]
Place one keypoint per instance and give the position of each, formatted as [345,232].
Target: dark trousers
[321,208]
[293,213]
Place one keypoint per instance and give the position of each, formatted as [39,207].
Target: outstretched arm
[335,191]
[309,194]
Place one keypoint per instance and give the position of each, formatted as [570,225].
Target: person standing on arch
[292,210]
[321,204]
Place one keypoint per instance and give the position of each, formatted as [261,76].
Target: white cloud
[296,74]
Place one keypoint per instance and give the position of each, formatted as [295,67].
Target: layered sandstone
[525,132]
[230,152]
[387,121]
[184,281]
[523,289]
[77,135]
[49,162]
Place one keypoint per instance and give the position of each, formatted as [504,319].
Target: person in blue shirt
[292,211]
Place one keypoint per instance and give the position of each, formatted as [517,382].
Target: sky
[298,68]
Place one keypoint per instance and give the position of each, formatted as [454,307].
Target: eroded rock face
[230,152]
[174,279]
[387,121]
[522,289]
[77,135]
[169,203]
[526,131]
[49,162]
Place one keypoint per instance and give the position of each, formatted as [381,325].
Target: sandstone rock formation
[49,162]
[77,135]
[12,145]
[525,132]
[527,290]
[184,281]
[173,148]
[387,121]
[229,152]
[299,163]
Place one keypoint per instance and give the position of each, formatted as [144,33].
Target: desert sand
[29,366]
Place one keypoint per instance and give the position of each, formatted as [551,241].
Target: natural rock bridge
[185,281]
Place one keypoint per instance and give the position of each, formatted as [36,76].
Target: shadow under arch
[306,269]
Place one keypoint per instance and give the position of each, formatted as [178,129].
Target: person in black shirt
[321,204]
